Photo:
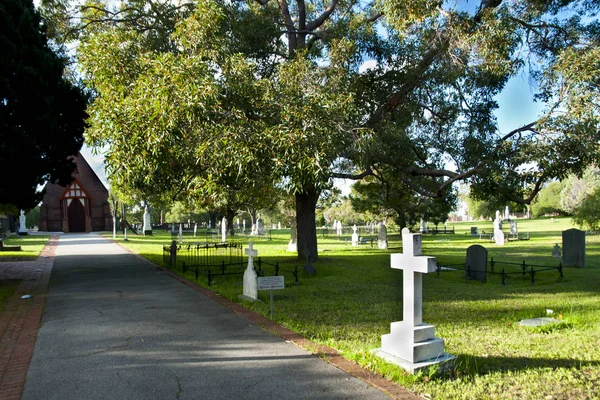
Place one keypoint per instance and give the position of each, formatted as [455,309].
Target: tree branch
[312,25]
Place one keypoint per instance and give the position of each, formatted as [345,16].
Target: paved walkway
[111,325]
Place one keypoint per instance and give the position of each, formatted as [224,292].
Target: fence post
[277,268]
[492,264]
[209,277]
[173,254]
[196,273]
[222,267]
[296,274]
[523,267]
[259,271]
[503,278]
[183,268]
[532,275]
[560,270]
[438,268]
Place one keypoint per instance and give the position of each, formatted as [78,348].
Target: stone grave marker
[474,231]
[513,227]
[476,264]
[338,228]
[224,230]
[22,224]
[573,247]
[180,233]
[556,251]
[382,241]
[250,278]
[260,226]
[293,244]
[354,236]
[411,343]
[147,227]
[498,234]
[423,226]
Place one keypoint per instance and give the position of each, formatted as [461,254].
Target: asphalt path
[117,327]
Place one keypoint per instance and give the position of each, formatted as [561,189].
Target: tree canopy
[188,93]
[42,114]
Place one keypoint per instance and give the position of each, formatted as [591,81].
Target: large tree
[42,114]
[210,87]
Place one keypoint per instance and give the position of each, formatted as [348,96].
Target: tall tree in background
[42,115]
[199,88]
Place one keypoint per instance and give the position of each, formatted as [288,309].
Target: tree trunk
[306,203]
[212,216]
[230,214]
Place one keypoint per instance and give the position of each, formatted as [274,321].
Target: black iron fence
[216,259]
[512,269]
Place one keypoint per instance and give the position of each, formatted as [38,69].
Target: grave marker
[250,277]
[573,245]
[382,241]
[412,344]
[476,264]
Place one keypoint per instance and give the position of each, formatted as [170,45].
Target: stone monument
[382,241]
[293,244]
[260,226]
[476,264]
[147,227]
[498,234]
[338,228]
[224,230]
[556,251]
[180,233]
[354,236]
[573,248]
[411,343]
[250,277]
[22,223]
[423,226]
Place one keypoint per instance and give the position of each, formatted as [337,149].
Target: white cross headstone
[224,230]
[180,233]
[411,343]
[250,277]
[354,236]
[498,234]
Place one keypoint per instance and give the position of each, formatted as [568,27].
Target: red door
[76,216]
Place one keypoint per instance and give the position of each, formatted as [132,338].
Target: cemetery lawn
[31,247]
[355,296]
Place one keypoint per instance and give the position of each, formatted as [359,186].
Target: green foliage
[576,189]
[548,201]
[42,114]
[587,213]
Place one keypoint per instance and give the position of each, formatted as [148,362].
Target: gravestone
[556,251]
[573,248]
[498,234]
[506,213]
[339,228]
[180,233]
[513,227]
[382,241]
[244,226]
[147,227]
[250,278]
[354,236]
[411,343]
[474,231]
[476,264]
[423,226]
[22,223]
[260,227]
[293,244]
[309,269]
[195,228]
[224,230]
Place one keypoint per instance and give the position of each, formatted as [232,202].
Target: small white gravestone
[180,233]
[244,225]
[506,213]
[338,228]
[382,241]
[237,223]
[411,343]
[224,230]
[498,234]
[147,227]
[195,228]
[250,277]
[556,251]
[22,226]
[260,226]
[354,236]
[423,226]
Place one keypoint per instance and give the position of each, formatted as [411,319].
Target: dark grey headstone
[573,248]
[474,231]
[476,265]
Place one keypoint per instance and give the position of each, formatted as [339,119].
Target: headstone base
[147,233]
[248,298]
[445,361]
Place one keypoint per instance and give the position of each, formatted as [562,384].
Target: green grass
[355,296]
[31,247]
[7,288]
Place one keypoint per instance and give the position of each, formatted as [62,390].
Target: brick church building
[80,207]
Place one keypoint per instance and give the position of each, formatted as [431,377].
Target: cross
[251,253]
[414,265]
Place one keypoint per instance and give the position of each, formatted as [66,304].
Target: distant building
[80,207]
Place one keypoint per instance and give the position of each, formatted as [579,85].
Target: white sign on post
[270,283]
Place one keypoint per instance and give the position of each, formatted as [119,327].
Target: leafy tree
[576,189]
[42,114]
[548,200]
[587,213]
[209,88]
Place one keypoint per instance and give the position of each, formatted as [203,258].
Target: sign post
[271,283]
